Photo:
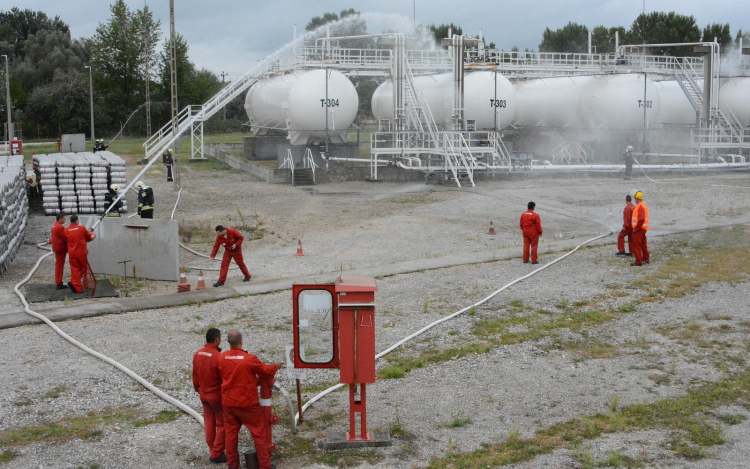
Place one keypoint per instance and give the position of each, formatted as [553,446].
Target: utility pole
[173,87]
[147,45]
[7,90]
[91,96]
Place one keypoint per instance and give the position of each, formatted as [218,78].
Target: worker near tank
[145,200]
[109,199]
[76,237]
[231,239]
[531,226]
[627,229]
[629,159]
[207,383]
[239,399]
[639,222]
[168,160]
[60,248]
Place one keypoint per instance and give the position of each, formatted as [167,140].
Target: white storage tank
[435,89]
[674,107]
[487,93]
[617,102]
[549,102]
[735,96]
[296,102]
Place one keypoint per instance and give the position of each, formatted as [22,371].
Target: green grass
[7,455]
[687,418]
[84,427]
[55,393]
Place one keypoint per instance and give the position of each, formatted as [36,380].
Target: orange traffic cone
[731,209]
[201,283]
[492,229]
[183,286]
[299,248]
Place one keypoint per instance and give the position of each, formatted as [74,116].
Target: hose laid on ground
[184,407]
[644,172]
[447,318]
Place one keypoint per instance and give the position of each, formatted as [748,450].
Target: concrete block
[152,246]
[337,440]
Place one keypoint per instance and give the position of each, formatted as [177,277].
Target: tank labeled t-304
[306,104]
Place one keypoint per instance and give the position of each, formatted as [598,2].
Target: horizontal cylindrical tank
[487,94]
[674,108]
[434,89]
[735,97]
[618,102]
[549,102]
[481,102]
[297,102]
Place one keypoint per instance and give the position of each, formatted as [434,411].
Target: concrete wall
[152,245]
[262,147]
[271,176]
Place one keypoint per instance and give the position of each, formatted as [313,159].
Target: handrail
[288,160]
[307,160]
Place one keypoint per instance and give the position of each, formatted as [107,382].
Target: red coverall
[640,227]
[531,225]
[207,383]
[60,248]
[233,238]
[76,237]
[239,398]
[627,230]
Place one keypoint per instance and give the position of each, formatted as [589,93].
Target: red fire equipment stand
[351,305]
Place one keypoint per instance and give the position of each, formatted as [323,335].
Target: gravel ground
[512,388]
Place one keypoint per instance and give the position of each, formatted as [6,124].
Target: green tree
[441,32]
[572,37]
[603,38]
[119,52]
[745,39]
[720,32]
[61,104]
[17,25]
[347,23]
[663,28]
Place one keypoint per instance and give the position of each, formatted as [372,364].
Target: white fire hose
[447,318]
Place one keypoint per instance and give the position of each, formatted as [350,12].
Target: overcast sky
[231,35]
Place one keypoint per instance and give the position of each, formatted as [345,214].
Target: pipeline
[180,405]
[449,317]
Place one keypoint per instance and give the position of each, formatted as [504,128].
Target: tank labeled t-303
[306,104]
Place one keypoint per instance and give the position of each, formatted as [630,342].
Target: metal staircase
[192,117]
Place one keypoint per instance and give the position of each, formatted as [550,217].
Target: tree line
[49,74]
[49,70]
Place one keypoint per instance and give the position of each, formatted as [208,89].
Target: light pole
[91,95]
[7,90]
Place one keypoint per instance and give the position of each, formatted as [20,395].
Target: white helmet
[115,188]
[169,150]
[140,185]
[630,147]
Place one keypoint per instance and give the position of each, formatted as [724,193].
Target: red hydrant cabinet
[334,327]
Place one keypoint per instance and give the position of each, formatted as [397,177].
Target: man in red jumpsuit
[531,226]
[239,399]
[60,248]
[639,221]
[231,239]
[76,236]
[207,383]
[627,229]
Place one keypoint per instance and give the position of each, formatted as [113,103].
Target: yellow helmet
[639,195]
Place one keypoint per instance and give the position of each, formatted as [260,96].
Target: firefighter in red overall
[627,229]
[239,399]
[60,248]
[231,239]
[531,226]
[639,221]
[207,383]
[76,236]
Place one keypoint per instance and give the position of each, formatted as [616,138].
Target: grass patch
[687,417]
[458,420]
[8,455]
[720,255]
[55,393]
[84,427]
